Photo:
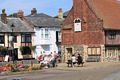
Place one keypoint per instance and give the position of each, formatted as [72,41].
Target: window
[94,51]
[111,34]
[58,36]
[15,38]
[42,34]
[45,33]
[77,25]
[1,38]
[26,38]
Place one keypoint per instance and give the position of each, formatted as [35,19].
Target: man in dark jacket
[79,60]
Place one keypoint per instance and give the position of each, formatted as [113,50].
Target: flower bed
[19,67]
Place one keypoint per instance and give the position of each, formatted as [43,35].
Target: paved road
[108,72]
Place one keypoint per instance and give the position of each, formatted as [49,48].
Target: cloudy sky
[49,7]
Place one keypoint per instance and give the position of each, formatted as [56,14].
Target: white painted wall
[41,43]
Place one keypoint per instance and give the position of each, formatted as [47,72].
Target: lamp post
[12,42]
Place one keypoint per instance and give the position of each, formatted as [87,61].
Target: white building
[47,32]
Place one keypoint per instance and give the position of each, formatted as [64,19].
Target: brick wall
[91,26]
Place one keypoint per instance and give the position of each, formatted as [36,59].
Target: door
[16,54]
[69,53]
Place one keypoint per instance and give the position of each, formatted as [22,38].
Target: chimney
[60,13]
[20,14]
[77,8]
[33,11]
[4,16]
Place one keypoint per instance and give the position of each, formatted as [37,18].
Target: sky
[49,7]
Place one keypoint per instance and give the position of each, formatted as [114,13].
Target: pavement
[87,65]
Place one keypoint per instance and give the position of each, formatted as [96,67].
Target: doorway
[69,53]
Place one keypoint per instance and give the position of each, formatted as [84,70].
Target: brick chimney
[60,13]
[77,6]
[33,11]
[4,16]
[20,14]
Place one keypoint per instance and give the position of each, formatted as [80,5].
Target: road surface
[109,72]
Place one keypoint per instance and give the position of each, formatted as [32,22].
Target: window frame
[26,38]
[77,25]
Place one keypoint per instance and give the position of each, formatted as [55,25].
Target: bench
[80,63]
[69,63]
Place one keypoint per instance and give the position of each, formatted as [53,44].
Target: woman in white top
[73,60]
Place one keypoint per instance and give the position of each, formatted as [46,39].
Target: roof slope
[66,13]
[43,20]
[4,27]
[108,11]
[20,25]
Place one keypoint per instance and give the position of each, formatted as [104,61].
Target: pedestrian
[79,60]
[73,60]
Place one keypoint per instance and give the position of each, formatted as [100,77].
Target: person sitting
[79,60]
[73,60]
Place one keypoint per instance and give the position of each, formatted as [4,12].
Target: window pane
[15,38]
[89,51]
[46,33]
[28,38]
[1,38]
[23,38]
[59,36]
[42,35]
[112,34]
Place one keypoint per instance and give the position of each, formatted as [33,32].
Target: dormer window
[77,25]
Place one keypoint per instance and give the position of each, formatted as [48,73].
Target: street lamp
[12,42]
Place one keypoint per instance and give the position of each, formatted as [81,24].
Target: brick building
[92,28]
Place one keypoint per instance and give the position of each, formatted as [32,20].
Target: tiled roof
[43,20]
[4,27]
[108,11]
[40,15]
[19,26]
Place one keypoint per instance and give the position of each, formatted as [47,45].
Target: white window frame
[77,25]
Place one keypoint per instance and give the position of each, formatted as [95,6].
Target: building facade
[90,29]
[47,32]
[16,33]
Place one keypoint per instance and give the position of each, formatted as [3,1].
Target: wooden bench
[69,63]
[80,63]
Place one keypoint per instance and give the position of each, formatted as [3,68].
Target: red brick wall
[91,26]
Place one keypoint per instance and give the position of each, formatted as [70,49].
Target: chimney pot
[60,13]
[4,16]
[33,11]
[20,14]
